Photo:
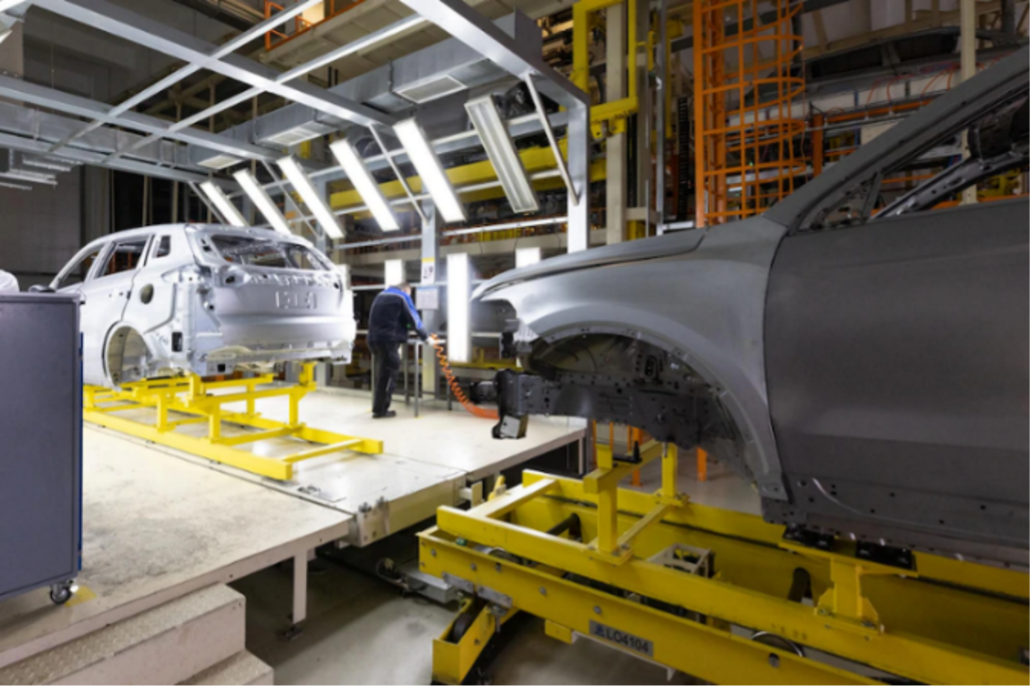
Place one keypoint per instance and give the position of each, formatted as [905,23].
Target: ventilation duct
[423,77]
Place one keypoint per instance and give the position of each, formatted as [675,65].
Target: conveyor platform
[717,594]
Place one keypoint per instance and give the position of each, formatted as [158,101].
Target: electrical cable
[460,394]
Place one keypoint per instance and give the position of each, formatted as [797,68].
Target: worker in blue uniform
[390,319]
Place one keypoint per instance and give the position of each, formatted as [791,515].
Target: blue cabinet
[40,443]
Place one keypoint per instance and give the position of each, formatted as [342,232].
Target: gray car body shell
[702,295]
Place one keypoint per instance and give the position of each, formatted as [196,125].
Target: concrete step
[164,646]
[242,668]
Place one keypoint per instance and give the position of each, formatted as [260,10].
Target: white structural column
[466,24]
[428,269]
[460,340]
[968,67]
[616,144]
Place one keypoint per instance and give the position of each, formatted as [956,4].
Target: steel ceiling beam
[161,85]
[130,26]
[299,71]
[33,131]
[17,89]
[482,35]
[92,158]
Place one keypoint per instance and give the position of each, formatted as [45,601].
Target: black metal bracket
[886,555]
[814,540]
[633,459]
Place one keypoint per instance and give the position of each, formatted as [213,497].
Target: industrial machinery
[41,437]
[859,356]
[719,595]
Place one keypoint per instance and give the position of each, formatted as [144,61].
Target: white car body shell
[184,308]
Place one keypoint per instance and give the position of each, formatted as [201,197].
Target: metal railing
[276,38]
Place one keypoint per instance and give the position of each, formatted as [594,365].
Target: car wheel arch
[742,398]
[132,337]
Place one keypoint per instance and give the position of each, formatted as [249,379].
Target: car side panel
[898,379]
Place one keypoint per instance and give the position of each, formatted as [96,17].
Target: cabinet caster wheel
[61,593]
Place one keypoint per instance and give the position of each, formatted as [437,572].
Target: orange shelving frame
[744,125]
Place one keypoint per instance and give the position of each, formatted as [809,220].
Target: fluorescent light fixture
[435,181]
[459,341]
[316,204]
[230,213]
[499,147]
[528,256]
[393,272]
[262,201]
[358,173]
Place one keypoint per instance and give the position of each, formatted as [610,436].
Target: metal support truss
[130,26]
[289,76]
[194,402]
[654,575]
[92,158]
[84,107]
[466,24]
[229,47]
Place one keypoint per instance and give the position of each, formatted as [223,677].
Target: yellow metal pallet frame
[943,621]
[196,401]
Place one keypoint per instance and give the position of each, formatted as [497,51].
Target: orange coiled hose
[460,394]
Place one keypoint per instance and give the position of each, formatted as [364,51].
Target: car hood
[639,250]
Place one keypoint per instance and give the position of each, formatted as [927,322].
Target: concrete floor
[361,631]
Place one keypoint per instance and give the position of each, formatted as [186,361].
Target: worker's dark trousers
[387,364]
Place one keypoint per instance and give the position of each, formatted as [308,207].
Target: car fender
[713,322]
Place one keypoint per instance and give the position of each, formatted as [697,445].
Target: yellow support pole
[608,531]
[161,410]
[215,424]
[669,487]
[250,400]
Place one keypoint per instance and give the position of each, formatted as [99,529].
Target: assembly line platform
[158,524]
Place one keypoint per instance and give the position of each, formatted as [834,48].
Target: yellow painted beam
[1011,583]
[962,618]
[713,655]
[933,659]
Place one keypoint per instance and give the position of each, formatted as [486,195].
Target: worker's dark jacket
[392,315]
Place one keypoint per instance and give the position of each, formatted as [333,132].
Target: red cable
[460,395]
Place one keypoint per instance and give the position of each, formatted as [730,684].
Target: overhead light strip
[430,170]
[230,213]
[494,135]
[365,185]
[315,202]
[262,201]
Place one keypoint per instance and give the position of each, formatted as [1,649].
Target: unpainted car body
[205,299]
[868,371]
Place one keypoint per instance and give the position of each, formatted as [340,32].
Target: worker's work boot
[386,415]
